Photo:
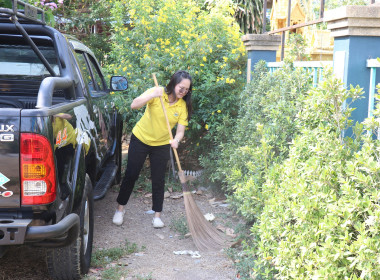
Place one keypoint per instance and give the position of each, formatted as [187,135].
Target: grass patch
[148,277]
[114,273]
[243,263]
[103,257]
[179,225]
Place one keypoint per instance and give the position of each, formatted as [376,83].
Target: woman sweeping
[150,137]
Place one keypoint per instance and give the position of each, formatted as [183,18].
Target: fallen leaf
[170,189]
[199,192]
[230,232]
[221,228]
[166,194]
[236,244]
[176,196]
[160,236]
[212,201]
[94,270]
[148,195]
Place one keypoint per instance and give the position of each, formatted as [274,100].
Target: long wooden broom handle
[168,125]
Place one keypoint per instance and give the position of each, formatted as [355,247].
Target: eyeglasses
[183,90]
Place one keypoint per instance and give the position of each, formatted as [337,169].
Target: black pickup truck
[60,140]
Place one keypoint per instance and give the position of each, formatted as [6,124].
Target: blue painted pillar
[261,47]
[356,32]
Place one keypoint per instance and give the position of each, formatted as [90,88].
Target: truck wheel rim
[86,226]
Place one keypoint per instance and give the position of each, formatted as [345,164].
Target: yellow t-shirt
[152,129]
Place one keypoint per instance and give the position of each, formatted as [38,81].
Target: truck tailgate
[9,158]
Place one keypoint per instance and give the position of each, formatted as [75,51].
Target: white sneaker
[157,223]
[118,217]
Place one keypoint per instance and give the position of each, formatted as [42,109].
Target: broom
[205,236]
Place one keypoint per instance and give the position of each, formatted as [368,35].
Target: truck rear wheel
[73,261]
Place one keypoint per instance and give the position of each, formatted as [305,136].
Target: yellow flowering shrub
[163,36]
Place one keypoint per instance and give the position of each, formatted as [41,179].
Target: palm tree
[249,15]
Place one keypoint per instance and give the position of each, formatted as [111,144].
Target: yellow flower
[112,92]
[197,144]
[201,64]
[219,46]
[225,59]
[219,111]
[206,126]
[216,61]
[210,50]
[204,58]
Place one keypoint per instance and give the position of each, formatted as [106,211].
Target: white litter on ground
[193,254]
[209,217]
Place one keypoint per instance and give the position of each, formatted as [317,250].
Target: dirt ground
[155,258]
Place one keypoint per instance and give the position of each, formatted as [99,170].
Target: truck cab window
[85,72]
[97,75]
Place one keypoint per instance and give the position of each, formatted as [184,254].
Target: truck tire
[73,261]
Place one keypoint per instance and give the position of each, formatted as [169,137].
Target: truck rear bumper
[13,232]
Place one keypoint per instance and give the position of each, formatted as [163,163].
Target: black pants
[137,153]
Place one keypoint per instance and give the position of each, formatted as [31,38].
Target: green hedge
[250,144]
[321,215]
[311,193]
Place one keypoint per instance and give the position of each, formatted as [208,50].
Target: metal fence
[315,68]
[373,64]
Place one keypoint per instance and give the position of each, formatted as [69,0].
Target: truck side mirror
[119,83]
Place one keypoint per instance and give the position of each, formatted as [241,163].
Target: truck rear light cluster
[38,185]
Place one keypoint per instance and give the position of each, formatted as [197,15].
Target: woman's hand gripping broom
[205,236]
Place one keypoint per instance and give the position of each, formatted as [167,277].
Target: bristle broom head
[205,236]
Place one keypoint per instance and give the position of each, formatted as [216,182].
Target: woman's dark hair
[174,81]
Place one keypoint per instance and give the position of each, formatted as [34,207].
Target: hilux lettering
[6,128]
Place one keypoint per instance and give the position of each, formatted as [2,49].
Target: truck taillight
[37,170]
